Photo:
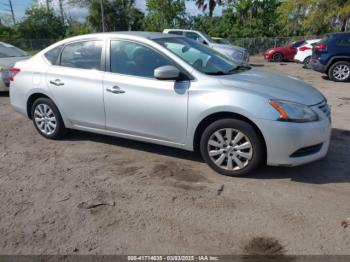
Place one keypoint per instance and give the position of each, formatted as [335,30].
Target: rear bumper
[293,144]
[317,66]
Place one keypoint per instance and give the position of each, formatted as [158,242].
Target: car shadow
[132,144]
[334,168]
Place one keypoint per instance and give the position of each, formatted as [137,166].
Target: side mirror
[167,73]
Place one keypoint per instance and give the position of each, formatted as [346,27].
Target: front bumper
[285,140]
[268,56]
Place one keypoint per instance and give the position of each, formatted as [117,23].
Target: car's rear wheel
[232,147]
[47,119]
[307,61]
[339,71]
[277,57]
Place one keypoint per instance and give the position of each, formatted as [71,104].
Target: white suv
[236,53]
[304,52]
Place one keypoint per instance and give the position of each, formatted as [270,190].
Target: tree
[76,28]
[165,14]
[210,5]
[40,23]
[119,15]
[314,17]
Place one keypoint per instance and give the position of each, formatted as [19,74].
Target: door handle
[56,82]
[115,90]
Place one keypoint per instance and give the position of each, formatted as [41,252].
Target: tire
[306,62]
[210,142]
[47,119]
[277,57]
[339,71]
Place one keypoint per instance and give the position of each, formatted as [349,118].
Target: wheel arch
[336,59]
[222,115]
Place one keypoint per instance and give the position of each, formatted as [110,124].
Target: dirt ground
[93,194]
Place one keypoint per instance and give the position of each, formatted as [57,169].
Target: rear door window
[52,55]
[84,55]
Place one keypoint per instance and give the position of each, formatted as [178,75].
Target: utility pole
[47,5]
[12,13]
[102,16]
[61,10]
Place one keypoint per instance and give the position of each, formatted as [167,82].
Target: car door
[136,103]
[76,83]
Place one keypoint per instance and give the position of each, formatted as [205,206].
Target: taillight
[321,47]
[304,48]
[12,73]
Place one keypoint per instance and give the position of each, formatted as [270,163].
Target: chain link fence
[255,45]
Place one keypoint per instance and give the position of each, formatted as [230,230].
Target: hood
[228,47]
[274,85]
[8,62]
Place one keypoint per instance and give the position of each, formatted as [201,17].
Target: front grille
[324,107]
[305,151]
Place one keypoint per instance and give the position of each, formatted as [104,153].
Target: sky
[77,13]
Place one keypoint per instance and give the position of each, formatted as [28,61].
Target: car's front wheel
[277,57]
[339,71]
[232,147]
[47,119]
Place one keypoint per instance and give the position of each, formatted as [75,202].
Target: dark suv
[332,56]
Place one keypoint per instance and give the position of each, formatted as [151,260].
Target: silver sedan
[9,55]
[173,91]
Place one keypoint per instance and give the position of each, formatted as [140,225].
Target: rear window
[53,54]
[7,50]
[298,43]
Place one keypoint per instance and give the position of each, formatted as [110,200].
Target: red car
[279,54]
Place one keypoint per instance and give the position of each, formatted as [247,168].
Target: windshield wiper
[218,73]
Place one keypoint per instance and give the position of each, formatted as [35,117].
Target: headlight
[270,51]
[293,112]
[237,55]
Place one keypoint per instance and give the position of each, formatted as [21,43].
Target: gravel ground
[93,194]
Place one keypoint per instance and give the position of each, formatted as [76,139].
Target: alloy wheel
[45,119]
[341,72]
[230,149]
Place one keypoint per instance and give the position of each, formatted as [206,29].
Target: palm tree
[202,4]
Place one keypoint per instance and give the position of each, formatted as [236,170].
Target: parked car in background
[287,53]
[331,56]
[170,90]
[304,52]
[9,55]
[236,53]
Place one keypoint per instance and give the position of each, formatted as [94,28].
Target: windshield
[7,50]
[201,57]
[211,40]
[298,43]
[221,41]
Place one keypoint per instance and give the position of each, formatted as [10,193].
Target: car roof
[127,34]
[180,30]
